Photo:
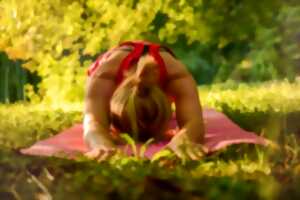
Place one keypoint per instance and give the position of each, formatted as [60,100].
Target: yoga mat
[220,133]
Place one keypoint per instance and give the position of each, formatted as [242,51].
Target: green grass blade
[131,142]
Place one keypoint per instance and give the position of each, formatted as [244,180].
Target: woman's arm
[183,88]
[188,141]
[188,107]
[99,89]
[96,112]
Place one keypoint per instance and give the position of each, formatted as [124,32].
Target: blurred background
[244,55]
[46,46]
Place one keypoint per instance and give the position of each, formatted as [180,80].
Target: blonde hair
[139,106]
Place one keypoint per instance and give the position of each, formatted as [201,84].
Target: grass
[238,172]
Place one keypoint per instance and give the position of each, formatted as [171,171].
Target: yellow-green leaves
[50,35]
[267,97]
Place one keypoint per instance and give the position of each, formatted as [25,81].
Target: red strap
[133,58]
[130,59]
[154,52]
[135,55]
[94,65]
[99,61]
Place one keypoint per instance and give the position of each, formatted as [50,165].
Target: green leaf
[131,142]
[144,147]
[165,153]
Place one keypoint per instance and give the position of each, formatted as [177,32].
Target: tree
[58,39]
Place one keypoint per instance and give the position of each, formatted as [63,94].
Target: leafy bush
[227,175]
[23,124]
[126,179]
[272,106]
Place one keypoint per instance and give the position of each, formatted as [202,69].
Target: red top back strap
[99,61]
[133,57]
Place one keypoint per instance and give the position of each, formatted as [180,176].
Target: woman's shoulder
[175,68]
[109,63]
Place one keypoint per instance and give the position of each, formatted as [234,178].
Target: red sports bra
[139,48]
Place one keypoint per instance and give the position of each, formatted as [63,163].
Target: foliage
[265,52]
[257,107]
[59,39]
[59,178]
[266,97]
[233,174]
[22,124]
[275,51]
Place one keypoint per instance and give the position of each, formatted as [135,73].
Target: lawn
[238,172]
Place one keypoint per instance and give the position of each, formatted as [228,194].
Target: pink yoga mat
[220,133]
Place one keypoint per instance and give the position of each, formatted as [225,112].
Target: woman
[130,89]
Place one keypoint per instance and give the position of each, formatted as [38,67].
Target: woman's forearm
[96,135]
[98,140]
[195,130]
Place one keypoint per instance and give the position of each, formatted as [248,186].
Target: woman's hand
[185,148]
[101,153]
[101,144]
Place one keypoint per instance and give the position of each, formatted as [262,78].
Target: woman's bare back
[110,66]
